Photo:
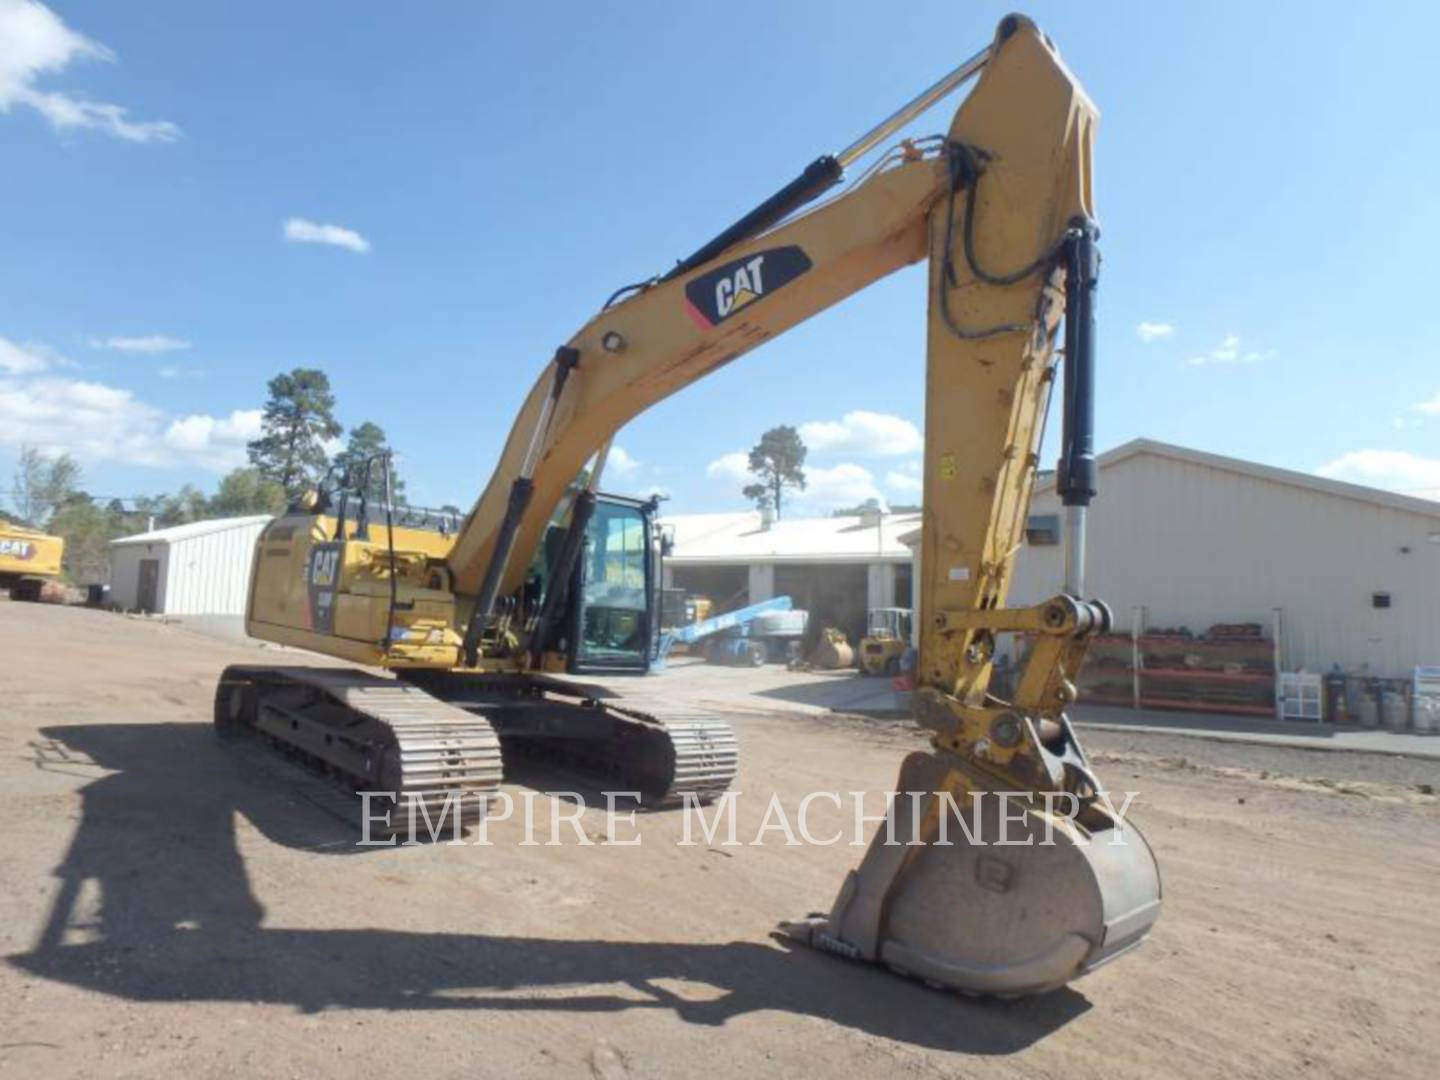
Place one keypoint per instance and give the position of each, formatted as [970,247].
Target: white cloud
[1395,470]
[904,482]
[620,462]
[867,434]
[34,41]
[845,484]
[150,343]
[1429,408]
[216,443]
[731,466]
[1229,351]
[27,359]
[300,231]
[98,422]
[179,371]
[1150,331]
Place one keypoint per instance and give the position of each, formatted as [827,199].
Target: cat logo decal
[718,294]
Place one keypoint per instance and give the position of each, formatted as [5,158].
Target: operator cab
[608,625]
[892,623]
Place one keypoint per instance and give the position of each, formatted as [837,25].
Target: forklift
[887,636]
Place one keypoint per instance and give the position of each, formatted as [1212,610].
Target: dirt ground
[169,908]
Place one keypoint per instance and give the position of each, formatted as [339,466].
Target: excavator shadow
[176,920]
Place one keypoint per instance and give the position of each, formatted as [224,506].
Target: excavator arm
[1003,208]
[1017,153]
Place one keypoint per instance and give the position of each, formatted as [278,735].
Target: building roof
[189,532]
[740,537]
[1418,503]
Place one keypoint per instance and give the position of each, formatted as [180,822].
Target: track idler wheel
[234,706]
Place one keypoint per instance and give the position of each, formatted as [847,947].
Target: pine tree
[246,491]
[777,461]
[365,441]
[299,419]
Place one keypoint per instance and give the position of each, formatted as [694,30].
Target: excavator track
[672,753]
[371,734]
[623,742]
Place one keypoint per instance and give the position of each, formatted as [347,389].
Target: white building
[1183,538]
[197,569]
[836,568]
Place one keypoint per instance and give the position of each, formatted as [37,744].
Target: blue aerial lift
[739,646]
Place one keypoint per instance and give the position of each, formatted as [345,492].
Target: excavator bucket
[985,903]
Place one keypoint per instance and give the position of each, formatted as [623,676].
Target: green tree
[246,491]
[868,506]
[41,484]
[365,441]
[777,462]
[88,529]
[874,504]
[186,505]
[299,417]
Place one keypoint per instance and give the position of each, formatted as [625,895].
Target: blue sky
[1267,186]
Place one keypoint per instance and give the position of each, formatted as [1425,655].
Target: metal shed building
[197,569]
[1196,539]
[836,567]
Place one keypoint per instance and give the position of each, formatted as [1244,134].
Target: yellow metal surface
[985,399]
[29,552]
[302,568]
[876,653]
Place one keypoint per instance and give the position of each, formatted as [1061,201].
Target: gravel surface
[172,908]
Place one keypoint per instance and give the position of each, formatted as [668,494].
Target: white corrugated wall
[1199,545]
[210,574]
[125,562]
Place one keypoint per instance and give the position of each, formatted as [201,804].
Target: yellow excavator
[28,559]
[514,630]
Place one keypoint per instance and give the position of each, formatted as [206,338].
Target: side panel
[279,592]
[125,575]
[30,554]
[313,591]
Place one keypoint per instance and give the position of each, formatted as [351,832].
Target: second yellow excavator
[28,559]
[519,629]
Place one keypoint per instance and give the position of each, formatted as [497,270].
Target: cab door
[613,624]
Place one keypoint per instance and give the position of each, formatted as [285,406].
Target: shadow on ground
[178,921]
